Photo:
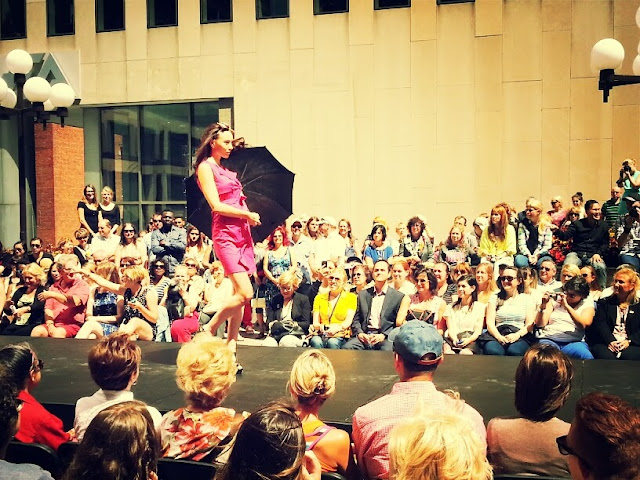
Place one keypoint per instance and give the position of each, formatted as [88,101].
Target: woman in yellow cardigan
[498,241]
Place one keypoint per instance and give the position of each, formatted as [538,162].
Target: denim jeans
[515,349]
[523,261]
[572,349]
[630,260]
[318,341]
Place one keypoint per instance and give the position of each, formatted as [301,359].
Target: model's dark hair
[121,443]
[8,410]
[16,362]
[543,382]
[212,132]
[269,445]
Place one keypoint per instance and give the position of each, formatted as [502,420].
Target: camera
[555,296]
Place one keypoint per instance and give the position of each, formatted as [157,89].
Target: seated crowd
[414,432]
[495,290]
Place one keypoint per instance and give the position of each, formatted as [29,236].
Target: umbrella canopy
[267,184]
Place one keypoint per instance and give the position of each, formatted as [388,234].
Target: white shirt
[88,407]
[376,308]
[107,245]
[552,286]
[561,327]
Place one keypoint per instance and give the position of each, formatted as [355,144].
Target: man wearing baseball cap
[628,234]
[417,354]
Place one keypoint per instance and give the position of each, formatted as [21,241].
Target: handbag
[504,330]
[344,333]
[280,328]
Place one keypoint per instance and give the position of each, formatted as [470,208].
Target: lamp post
[33,100]
[607,55]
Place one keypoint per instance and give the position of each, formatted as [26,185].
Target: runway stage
[484,382]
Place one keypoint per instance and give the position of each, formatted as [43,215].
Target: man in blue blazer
[377,313]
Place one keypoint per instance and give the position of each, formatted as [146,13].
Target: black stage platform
[484,382]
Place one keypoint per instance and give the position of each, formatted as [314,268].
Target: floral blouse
[194,435]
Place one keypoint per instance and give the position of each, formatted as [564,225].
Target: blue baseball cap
[415,340]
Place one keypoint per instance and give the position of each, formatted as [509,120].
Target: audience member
[114,364]
[179,221]
[424,305]
[301,245]
[418,352]
[344,230]
[206,370]
[510,317]
[328,245]
[10,407]
[360,278]
[577,201]
[611,207]
[131,247]
[65,302]
[604,439]
[525,444]
[378,249]
[629,179]
[105,241]
[311,383]
[417,246]
[378,312]
[534,236]
[196,248]
[120,443]
[182,303]
[24,311]
[498,242]
[400,272]
[279,259]
[589,274]
[563,317]
[628,232]
[82,250]
[469,239]
[333,314]
[104,307]
[108,210]
[88,210]
[454,250]
[38,252]
[22,368]
[486,283]
[288,314]
[168,243]
[443,447]
[557,212]
[270,445]
[465,319]
[445,290]
[615,332]
[568,272]
[547,277]
[158,280]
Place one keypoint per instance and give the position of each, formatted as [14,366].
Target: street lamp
[607,55]
[33,100]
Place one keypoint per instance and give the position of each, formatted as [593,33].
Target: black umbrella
[267,184]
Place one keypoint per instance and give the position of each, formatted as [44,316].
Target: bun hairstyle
[313,379]
[16,363]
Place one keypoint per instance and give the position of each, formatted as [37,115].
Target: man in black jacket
[590,241]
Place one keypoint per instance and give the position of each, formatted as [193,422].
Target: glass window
[60,19]
[109,15]
[330,6]
[119,147]
[380,4]
[162,13]
[272,9]
[212,11]
[13,22]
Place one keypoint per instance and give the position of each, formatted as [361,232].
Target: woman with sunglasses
[557,212]
[333,313]
[563,317]
[131,247]
[231,224]
[510,317]
[425,305]
[589,274]
[88,210]
[23,370]
[196,248]
[360,278]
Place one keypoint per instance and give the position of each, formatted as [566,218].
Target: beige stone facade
[442,110]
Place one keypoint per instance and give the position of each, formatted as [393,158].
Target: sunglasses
[38,366]
[35,245]
[565,449]
[507,278]
[129,231]
[357,275]
[296,226]
[190,265]
[336,279]
[159,266]
[546,269]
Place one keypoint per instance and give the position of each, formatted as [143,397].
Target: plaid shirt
[372,423]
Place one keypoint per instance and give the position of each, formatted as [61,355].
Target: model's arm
[210,192]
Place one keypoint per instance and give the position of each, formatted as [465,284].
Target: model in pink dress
[232,221]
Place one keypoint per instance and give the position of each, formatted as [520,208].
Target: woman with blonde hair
[486,283]
[24,311]
[311,383]
[400,274]
[140,301]
[104,307]
[108,210]
[534,236]
[121,442]
[205,372]
[333,313]
[288,314]
[569,271]
[557,212]
[615,332]
[498,241]
[445,447]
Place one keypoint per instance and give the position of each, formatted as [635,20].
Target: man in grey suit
[376,314]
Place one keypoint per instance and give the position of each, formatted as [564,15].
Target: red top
[67,313]
[37,425]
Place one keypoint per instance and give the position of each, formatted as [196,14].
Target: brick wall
[59,180]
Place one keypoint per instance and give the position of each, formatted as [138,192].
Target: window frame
[124,17]
[2,37]
[207,22]
[377,7]
[48,9]
[259,11]
[316,12]
[149,26]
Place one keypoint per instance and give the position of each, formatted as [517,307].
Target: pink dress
[231,236]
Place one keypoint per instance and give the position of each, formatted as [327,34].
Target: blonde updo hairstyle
[135,273]
[290,279]
[206,370]
[313,379]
